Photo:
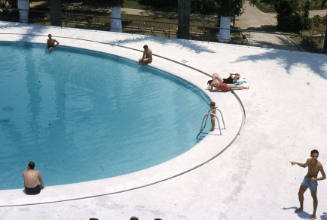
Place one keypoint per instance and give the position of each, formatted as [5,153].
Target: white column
[224,31]
[116,25]
[23,7]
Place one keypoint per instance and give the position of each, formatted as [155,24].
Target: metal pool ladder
[205,119]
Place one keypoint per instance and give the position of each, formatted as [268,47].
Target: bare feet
[313,217]
[299,210]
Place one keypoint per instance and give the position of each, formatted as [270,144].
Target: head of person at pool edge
[33,182]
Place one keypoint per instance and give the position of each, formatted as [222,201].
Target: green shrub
[288,17]
[316,20]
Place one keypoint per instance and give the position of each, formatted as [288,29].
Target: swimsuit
[307,182]
[229,80]
[33,191]
[223,87]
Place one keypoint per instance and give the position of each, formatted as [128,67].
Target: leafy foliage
[103,2]
[230,7]
[160,4]
[288,17]
[305,19]
[221,7]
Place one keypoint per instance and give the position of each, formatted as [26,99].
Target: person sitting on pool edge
[147,55]
[51,42]
[32,178]
[218,84]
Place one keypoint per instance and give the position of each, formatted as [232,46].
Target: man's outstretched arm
[300,164]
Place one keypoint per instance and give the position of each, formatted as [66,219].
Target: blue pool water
[82,115]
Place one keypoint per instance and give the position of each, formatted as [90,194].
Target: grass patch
[133,4]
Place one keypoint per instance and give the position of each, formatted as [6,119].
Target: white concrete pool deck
[285,119]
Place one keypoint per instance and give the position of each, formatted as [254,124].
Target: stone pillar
[116,25]
[224,31]
[23,7]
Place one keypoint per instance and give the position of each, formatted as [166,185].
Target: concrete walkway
[253,179]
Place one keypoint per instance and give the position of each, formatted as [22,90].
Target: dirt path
[262,26]
[254,18]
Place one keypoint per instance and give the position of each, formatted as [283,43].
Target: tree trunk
[116,24]
[184,10]
[23,7]
[224,31]
[324,46]
[55,12]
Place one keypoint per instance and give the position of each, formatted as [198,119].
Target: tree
[55,12]
[116,24]
[228,9]
[288,17]
[23,7]
[324,47]
[184,10]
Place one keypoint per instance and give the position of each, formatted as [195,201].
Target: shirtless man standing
[310,180]
[51,43]
[31,180]
[147,56]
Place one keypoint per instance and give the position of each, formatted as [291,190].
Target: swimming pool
[82,115]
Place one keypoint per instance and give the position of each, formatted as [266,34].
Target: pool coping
[197,156]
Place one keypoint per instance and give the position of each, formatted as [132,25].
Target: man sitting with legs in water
[310,180]
[51,42]
[218,84]
[31,180]
[147,55]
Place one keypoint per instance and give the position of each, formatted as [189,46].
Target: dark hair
[134,218]
[31,165]
[93,219]
[145,46]
[209,82]
[314,151]
[212,104]
[157,219]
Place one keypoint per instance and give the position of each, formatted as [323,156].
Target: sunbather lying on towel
[218,83]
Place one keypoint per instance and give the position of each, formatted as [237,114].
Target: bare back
[31,178]
[148,54]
